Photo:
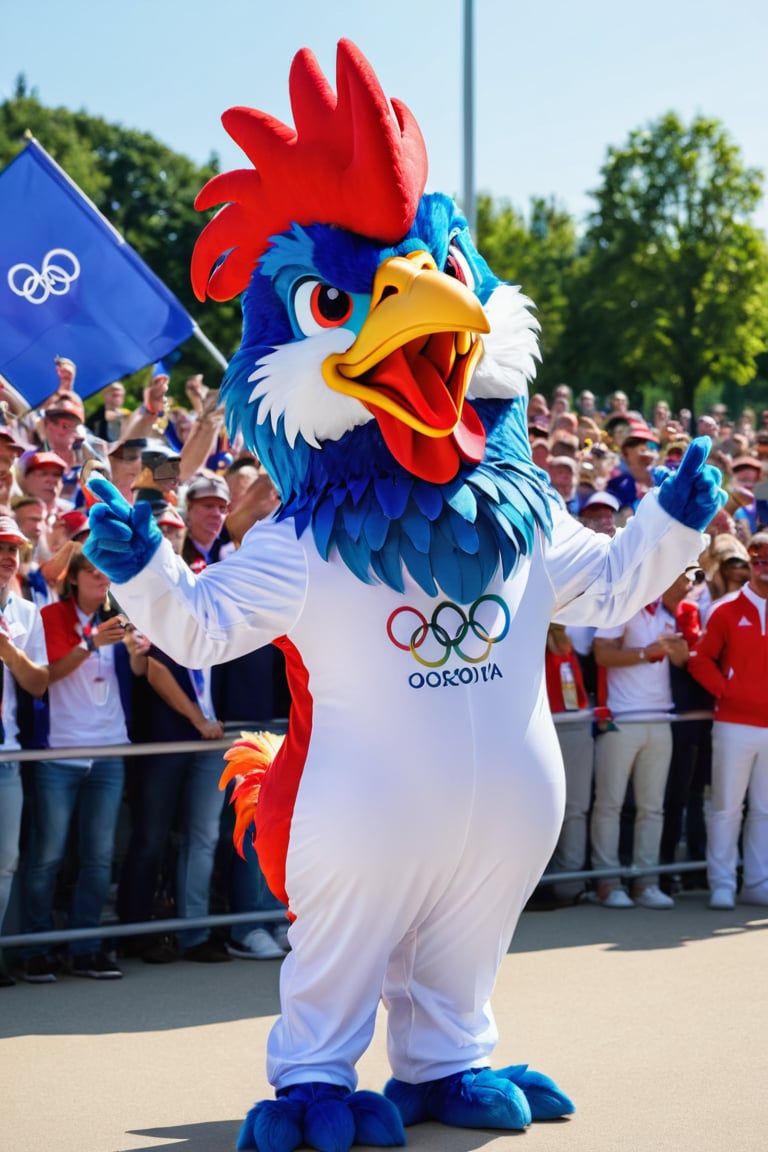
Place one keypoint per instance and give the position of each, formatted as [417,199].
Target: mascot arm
[601,581]
[230,608]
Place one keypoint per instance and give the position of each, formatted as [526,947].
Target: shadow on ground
[635,929]
[221,1134]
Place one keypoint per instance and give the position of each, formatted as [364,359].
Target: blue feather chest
[453,537]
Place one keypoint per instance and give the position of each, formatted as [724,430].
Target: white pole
[218,356]
[469,117]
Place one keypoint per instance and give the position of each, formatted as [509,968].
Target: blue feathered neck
[454,537]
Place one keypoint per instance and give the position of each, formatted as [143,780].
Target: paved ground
[655,1022]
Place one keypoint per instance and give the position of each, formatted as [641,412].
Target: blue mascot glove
[693,494]
[123,538]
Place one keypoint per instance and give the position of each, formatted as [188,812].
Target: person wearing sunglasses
[731,661]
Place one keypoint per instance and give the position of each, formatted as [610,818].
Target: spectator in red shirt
[731,661]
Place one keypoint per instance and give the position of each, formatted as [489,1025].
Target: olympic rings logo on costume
[470,635]
[59,271]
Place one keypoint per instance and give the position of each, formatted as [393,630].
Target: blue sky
[557,81]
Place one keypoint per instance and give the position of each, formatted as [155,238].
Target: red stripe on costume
[281,782]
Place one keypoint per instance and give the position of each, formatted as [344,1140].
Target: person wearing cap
[206,507]
[31,515]
[72,525]
[11,446]
[65,433]
[41,474]
[633,478]
[747,471]
[730,660]
[725,563]
[171,524]
[24,664]
[564,477]
[599,512]
[125,465]
[89,653]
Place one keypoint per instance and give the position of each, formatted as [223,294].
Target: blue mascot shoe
[323,1116]
[481,1098]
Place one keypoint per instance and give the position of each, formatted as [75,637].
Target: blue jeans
[11,802]
[96,793]
[187,782]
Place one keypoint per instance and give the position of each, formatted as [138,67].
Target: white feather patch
[510,349]
[288,382]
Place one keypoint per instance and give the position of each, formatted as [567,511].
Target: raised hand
[123,537]
[693,494]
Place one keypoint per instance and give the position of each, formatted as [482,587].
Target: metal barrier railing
[115,930]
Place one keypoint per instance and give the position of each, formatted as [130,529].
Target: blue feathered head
[382,375]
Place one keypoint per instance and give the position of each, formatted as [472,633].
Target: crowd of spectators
[649,772]
[89,838]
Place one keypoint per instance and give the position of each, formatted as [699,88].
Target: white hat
[607,499]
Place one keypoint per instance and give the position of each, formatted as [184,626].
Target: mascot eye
[458,266]
[319,306]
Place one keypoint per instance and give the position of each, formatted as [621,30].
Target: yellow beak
[416,352]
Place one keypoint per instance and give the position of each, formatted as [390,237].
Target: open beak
[411,365]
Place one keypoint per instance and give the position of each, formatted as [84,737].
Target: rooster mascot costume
[410,574]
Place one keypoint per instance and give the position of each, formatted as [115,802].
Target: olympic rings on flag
[59,271]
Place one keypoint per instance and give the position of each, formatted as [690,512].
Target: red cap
[74,521]
[65,404]
[640,431]
[7,433]
[746,462]
[170,517]
[10,531]
[35,458]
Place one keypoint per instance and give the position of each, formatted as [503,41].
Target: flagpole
[209,347]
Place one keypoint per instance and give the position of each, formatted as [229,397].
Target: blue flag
[71,286]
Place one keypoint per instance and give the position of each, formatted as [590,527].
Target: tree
[672,291]
[540,256]
[144,189]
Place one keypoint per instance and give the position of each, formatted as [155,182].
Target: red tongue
[410,378]
[417,385]
[434,458]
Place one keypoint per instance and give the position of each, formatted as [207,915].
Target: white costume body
[431,797]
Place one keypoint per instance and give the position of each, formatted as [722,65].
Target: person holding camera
[90,651]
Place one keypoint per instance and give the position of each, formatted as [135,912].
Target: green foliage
[540,255]
[673,288]
[147,192]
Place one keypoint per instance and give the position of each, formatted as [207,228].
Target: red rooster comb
[354,160]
